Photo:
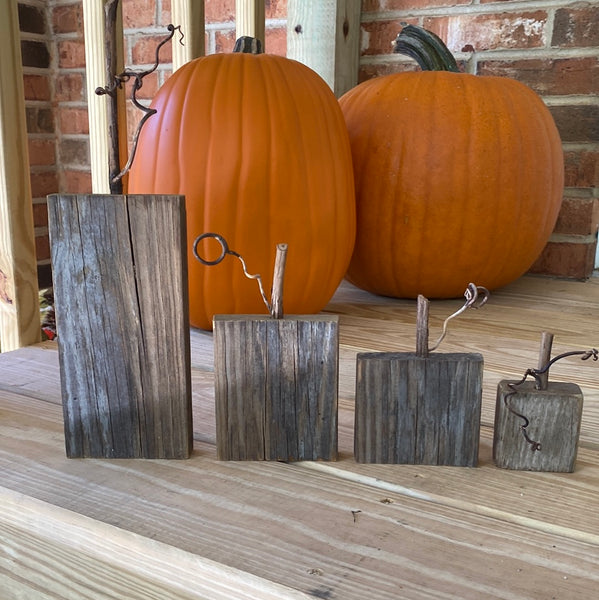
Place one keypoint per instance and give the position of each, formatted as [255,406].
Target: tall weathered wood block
[276,383]
[554,417]
[413,409]
[120,287]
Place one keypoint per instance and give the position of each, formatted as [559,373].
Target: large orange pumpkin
[459,178]
[258,145]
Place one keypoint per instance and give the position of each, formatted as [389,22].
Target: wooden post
[325,36]
[189,14]
[250,20]
[549,413]
[19,301]
[120,285]
[99,107]
[418,408]
[276,387]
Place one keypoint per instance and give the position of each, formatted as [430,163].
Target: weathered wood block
[276,386]
[418,410]
[120,288]
[554,417]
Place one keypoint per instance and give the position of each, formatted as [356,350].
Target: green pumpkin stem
[248,45]
[426,48]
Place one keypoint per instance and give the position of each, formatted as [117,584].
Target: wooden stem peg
[544,358]
[276,297]
[422,326]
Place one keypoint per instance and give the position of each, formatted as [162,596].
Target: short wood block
[120,289]
[276,386]
[418,410]
[554,418]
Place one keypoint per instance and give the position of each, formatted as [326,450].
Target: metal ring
[220,239]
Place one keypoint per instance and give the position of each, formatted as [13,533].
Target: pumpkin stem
[248,45]
[426,48]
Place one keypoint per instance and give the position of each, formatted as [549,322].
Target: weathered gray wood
[554,417]
[415,410]
[276,386]
[120,285]
[422,306]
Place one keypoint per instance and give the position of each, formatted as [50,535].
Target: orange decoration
[459,178]
[258,145]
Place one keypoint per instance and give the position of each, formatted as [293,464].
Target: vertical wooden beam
[189,14]
[325,36]
[249,19]
[95,61]
[19,303]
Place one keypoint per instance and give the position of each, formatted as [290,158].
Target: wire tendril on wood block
[540,376]
[275,305]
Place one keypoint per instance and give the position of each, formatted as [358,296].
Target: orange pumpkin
[258,145]
[459,178]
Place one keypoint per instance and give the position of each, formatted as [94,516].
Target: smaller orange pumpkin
[459,178]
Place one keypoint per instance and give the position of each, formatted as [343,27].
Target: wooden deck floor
[203,528]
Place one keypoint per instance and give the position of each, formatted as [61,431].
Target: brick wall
[551,45]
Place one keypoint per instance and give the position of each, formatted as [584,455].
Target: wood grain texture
[121,306]
[553,420]
[418,410]
[325,35]
[276,387]
[19,301]
[328,529]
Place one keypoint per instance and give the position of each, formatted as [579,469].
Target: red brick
[276,41]
[68,18]
[42,152]
[549,76]
[377,36]
[581,168]
[219,11]
[380,5]
[37,87]
[275,9]
[76,182]
[563,259]
[166,13]
[73,151]
[40,215]
[43,183]
[577,123]
[69,87]
[488,32]
[577,216]
[224,41]
[139,13]
[143,50]
[71,54]
[576,26]
[73,120]
[369,71]
[42,247]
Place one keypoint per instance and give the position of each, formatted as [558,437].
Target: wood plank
[120,286]
[325,36]
[98,106]
[260,517]
[50,552]
[346,529]
[19,302]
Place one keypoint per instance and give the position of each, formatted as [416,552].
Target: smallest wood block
[276,386]
[418,410]
[554,418]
